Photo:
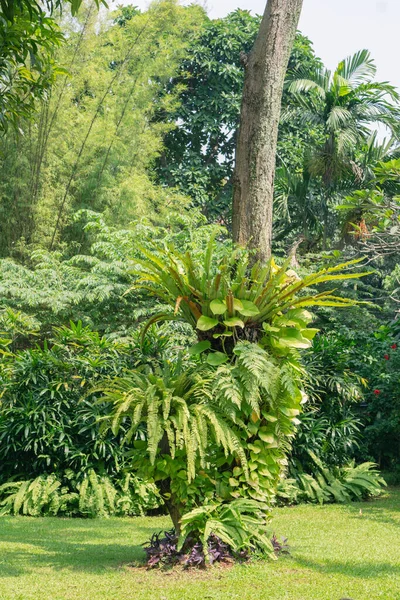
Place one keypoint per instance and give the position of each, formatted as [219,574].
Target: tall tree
[344,104]
[258,132]
[198,157]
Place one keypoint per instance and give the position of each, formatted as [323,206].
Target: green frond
[339,117]
[300,86]
[357,68]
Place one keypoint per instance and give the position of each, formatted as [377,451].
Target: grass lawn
[336,553]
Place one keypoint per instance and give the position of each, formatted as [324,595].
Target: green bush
[88,495]
[355,375]
[49,416]
[324,485]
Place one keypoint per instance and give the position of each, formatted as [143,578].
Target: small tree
[218,423]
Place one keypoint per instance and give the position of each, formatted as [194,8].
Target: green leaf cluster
[351,482]
[241,524]
[89,495]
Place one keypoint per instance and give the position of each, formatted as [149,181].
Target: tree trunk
[258,133]
[175,511]
[174,507]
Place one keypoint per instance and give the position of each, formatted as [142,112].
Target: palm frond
[300,86]
[358,68]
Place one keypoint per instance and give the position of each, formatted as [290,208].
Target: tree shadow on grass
[91,558]
[362,570]
[71,548]
[379,515]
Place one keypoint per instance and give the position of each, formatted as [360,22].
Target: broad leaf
[249,309]
[291,338]
[234,322]
[199,348]
[238,305]
[268,438]
[217,358]
[310,333]
[218,307]
[206,323]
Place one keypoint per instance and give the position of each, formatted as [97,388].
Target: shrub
[48,421]
[87,495]
[218,426]
[324,485]
[355,381]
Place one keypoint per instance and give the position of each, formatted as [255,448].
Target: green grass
[336,553]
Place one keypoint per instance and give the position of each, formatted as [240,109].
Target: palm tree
[345,104]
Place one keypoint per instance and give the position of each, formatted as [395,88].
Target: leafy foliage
[343,104]
[354,382]
[90,495]
[241,537]
[202,412]
[224,295]
[218,430]
[178,408]
[55,287]
[94,140]
[240,524]
[47,422]
[199,152]
[162,552]
[343,484]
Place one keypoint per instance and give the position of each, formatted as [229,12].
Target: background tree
[93,141]
[345,104]
[29,37]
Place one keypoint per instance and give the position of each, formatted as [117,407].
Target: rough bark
[258,133]
[174,507]
[175,511]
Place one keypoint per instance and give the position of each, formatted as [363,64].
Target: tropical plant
[344,103]
[324,485]
[181,414]
[83,495]
[224,297]
[220,427]
[162,552]
[334,441]
[34,498]
[162,549]
[240,524]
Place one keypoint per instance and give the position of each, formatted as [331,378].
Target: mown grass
[336,553]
